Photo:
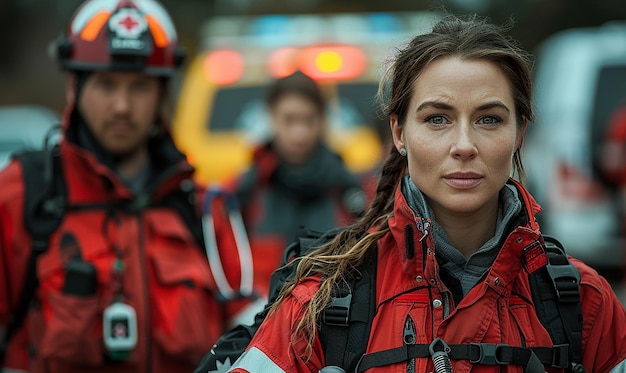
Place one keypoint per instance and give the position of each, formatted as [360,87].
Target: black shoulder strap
[556,295]
[234,342]
[45,191]
[44,205]
[345,325]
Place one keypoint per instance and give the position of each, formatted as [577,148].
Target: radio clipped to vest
[119,329]
[119,320]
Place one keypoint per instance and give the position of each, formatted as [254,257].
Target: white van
[26,127]
[580,80]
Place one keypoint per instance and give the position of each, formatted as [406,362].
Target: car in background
[221,114]
[25,127]
[580,81]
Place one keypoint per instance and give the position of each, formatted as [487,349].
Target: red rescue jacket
[498,309]
[166,277]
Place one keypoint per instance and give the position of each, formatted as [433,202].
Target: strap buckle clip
[560,357]
[565,279]
[338,313]
[488,354]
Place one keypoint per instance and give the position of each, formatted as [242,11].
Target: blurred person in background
[123,283]
[463,279]
[295,181]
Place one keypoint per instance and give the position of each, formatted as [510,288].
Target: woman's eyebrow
[493,105]
[444,106]
[433,104]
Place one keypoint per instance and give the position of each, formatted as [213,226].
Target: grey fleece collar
[467,271]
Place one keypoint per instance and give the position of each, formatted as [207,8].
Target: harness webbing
[347,321]
[556,295]
[532,358]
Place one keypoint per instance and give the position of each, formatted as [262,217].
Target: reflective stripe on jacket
[498,309]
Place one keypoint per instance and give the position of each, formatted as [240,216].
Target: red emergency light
[223,67]
[339,62]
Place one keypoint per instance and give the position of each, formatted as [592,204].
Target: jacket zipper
[409,336]
[149,191]
[144,274]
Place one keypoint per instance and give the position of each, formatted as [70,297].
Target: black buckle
[560,357]
[338,313]
[39,246]
[488,354]
[54,206]
[138,204]
[565,279]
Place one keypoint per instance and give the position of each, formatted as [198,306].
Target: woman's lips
[463,180]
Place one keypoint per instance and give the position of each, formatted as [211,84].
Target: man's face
[298,127]
[120,109]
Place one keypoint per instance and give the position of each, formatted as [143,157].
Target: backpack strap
[345,325]
[44,206]
[556,296]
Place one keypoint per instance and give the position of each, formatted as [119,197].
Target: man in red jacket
[124,284]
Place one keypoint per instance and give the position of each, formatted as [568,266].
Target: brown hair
[467,39]
[297,83]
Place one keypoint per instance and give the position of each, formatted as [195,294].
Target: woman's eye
[436,120]
[490,120]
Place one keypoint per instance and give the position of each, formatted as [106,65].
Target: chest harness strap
[532,358]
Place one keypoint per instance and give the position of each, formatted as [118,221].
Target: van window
[610,95]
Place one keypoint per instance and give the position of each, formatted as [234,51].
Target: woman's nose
[463,146]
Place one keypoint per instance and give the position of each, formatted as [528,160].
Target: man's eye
[106,84]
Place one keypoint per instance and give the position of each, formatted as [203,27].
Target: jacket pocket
[74,330]
[187,320]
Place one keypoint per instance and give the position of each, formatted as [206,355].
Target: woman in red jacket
[456,237]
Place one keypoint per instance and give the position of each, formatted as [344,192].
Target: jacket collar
[414,244]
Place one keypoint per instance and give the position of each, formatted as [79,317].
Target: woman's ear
[396,131]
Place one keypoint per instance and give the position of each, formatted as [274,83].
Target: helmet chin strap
[80,81]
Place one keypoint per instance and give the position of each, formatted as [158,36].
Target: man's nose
[121,103]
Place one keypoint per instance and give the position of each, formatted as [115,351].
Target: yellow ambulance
[221,114]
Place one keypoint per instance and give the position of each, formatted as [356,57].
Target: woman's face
[460,134]
[298,127]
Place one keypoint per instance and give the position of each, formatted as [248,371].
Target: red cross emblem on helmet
[128,23]
[135,35]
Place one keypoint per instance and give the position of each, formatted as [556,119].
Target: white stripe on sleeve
[619,368]
[255,361]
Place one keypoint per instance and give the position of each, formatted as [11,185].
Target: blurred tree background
[27,27]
